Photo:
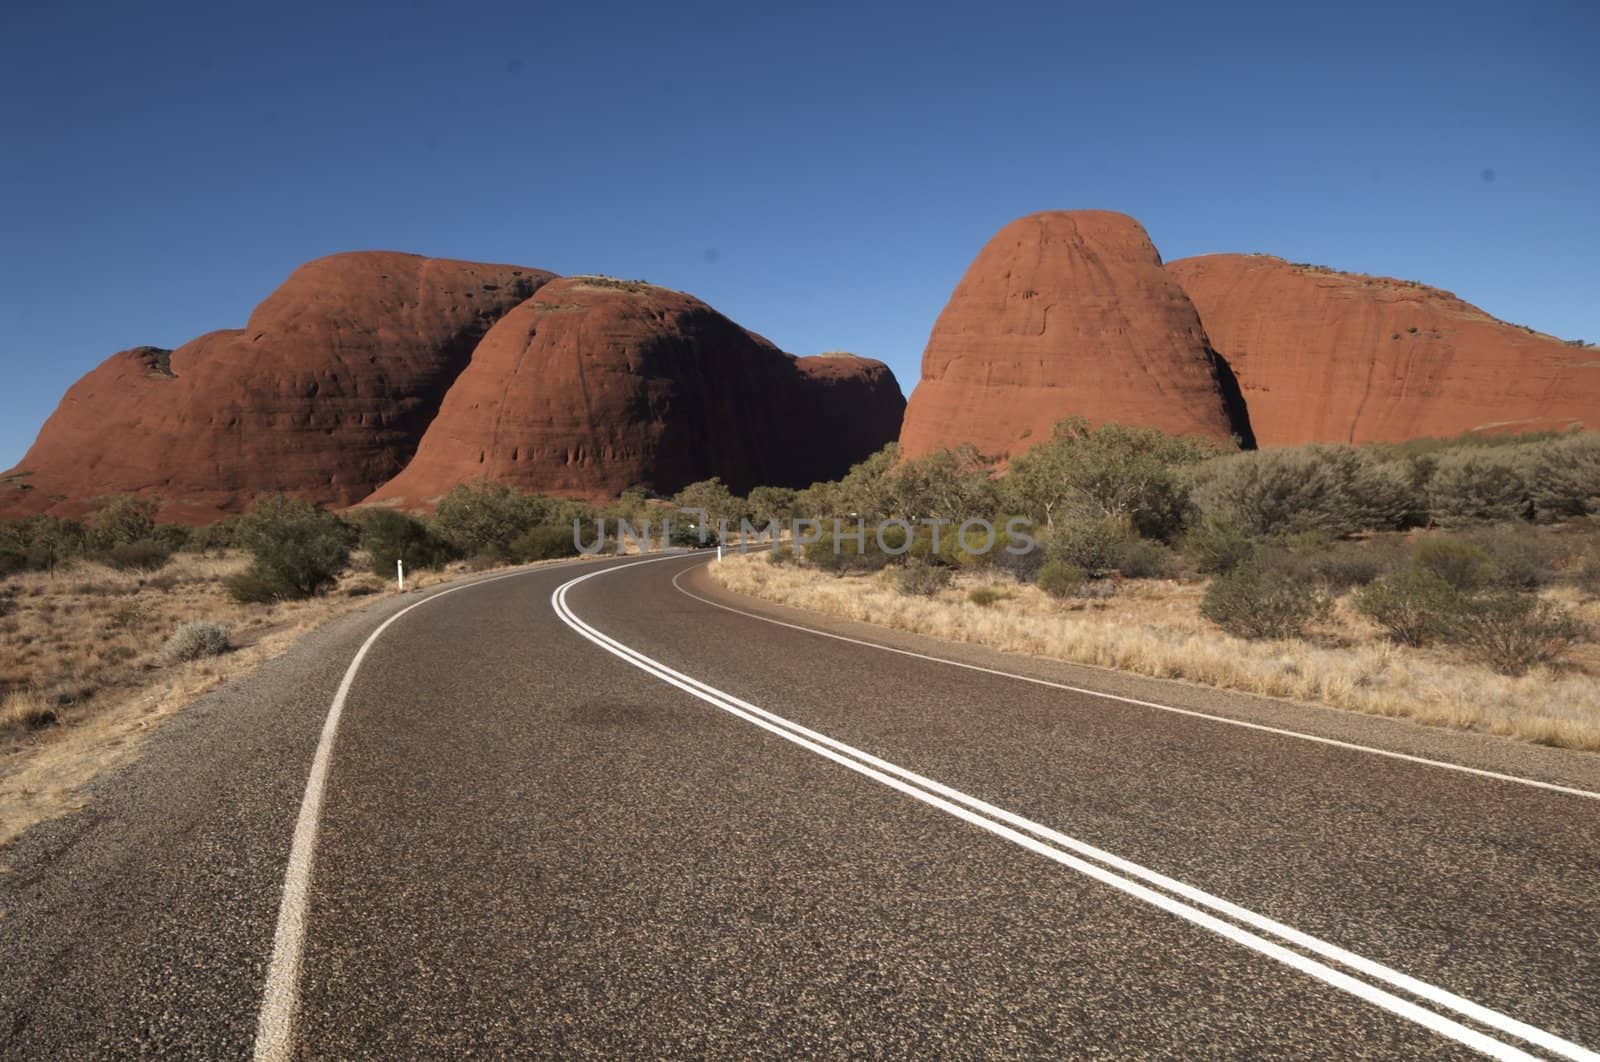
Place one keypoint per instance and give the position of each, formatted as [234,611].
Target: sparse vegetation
[1438,564]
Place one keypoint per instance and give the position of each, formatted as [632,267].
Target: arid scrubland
[87,669]
[1154,627]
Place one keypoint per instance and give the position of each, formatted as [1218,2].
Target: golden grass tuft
[1154,628]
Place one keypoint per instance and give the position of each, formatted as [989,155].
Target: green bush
[1348,564]
[39,543]
[1480,485]
[1260,600]
[1096,546]
[390,536]
[1520,557]
[1144,559]
[1217,545]
[1511,631]
[1116,472]
[1060,579]
[1566,477]
[547,542]
[145,555]
[922,580]
[1462,566]
[845,554]
[297,551]
[985,596]
[1414,606]
[484,517]
[1335,490]
[120,521]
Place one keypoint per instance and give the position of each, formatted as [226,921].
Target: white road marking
[275,1025]
[1193,713]
[1033,837]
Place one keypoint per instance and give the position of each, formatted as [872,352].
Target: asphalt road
[589,810]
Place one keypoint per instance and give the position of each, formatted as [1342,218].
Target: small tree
[484,517]
[1261,600]
[713,498]
[1480,485]
[122,520]
[297,550]
[390,536]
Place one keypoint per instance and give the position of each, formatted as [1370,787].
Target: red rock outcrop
[1323,356]
[324,393]
[595,385]
[1066,313]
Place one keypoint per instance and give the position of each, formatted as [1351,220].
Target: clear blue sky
[820,173]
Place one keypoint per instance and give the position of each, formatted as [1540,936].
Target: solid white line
[275,1025]
[1000,822]
[1191,712]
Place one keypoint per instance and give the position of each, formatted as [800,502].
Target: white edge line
[275,1024]
[1194,713]
[985,816]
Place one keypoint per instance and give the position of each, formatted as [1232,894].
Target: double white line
[1268,937]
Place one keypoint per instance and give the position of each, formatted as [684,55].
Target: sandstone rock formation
[595,385]
[1066,313]
[324,393]
[1323,356]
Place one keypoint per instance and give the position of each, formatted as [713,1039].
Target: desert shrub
[1217,545]
[922,580]
[691,536]
[1109,472]
[1262,600]
[224,534]
[985,596]
[1511,631]
[1414,606]
[297,551]
[1566,477]
[120,521]
[1520,558]
[1144,559]
[1480,485]
[1462,566]
[843,553]
[389,536]
[191,641]
[1348,564]
[483,517]
[1336,490]
[1023,567]
[1058,578]
[547,542]
[145,555]
[1098,546]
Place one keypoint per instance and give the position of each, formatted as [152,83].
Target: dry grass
[83,677]
[1154,628]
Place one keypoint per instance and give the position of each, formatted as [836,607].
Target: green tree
[709,495]
[485,517]
[1112,471]
[297,550]
[121,521]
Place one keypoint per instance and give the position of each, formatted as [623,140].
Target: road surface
[606,809]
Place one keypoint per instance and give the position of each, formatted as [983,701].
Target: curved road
[606,809]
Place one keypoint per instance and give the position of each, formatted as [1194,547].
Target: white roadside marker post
[719,552]
[400,574]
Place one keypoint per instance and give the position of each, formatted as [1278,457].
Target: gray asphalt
[530,848]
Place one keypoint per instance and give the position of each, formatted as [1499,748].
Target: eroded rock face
[1066,313]
[324,393]
[1323,356]
[596,385]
